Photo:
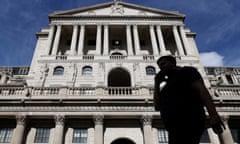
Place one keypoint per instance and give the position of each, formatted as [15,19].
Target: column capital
[59,119]
[98,119]
[147,119]
[225,117]
[21,119]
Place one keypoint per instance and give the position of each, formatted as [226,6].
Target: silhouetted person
[180,95]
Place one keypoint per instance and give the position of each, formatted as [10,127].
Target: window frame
[80,135]
[86,72]
[150,71]
[6,135]
[162,136]
[42,135]
[58,71]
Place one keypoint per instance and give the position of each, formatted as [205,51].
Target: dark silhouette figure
[180,95]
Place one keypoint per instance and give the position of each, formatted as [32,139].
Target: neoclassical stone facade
[91,79]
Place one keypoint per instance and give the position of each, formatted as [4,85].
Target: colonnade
[150,134]
[132,39]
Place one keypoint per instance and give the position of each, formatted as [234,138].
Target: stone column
[147,129]
[153,40]
[50,38]
[98,130]
[19,131]
[106,40]
[178,41]
[185,41]
[81,40]
[155,135]
[74,40]
[161,40]
[98,40]
[59,129]
[226,136]
[213,137]
[129,40]
[57,40]
[136,40]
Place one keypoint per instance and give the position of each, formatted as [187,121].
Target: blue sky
[216,22]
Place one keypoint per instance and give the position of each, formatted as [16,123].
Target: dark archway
[119,77]
[122,141]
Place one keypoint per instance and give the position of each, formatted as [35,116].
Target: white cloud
[211,59]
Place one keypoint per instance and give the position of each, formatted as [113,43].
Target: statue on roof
[116,8]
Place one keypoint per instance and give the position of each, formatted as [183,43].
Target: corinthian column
[226,136]
[74,40]
[19,131]
[147,129]
[136,40]
[153,40]
[98,134]
[106,40]
[178,41]
[161,41]
[50,38]
[129,40]
[185,41]
[98,40]
[59,128]
[57,40]
[81,40]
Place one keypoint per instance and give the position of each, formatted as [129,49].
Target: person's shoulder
[191,72]
[157,75]
[189,69]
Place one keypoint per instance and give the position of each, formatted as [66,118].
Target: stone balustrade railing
[230,93]
[93,57]
[55,92]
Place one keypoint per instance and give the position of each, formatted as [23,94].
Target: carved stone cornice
[59,119]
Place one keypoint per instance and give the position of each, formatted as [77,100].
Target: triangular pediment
[117,8]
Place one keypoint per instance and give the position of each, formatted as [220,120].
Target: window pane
[236,135]
[6,135]
[150,71]
[58,71]
[162,136]
[79,136]
[42,135]
[87,70]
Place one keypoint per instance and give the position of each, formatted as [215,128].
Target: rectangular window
[236,135]
[79,136]
[229,79]
[42,135]
[6,135]
[162,136]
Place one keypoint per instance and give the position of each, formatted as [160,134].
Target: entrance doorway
[119,77]
[122,141]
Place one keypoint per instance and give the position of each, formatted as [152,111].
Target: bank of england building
[92,74]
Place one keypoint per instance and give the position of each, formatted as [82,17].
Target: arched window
[150,70]
[59,70]
[87,70]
